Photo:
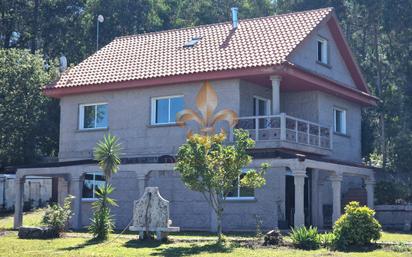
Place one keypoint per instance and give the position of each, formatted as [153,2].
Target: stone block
[37,233]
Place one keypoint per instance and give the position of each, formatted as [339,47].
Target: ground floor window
[92,183]
[239,192]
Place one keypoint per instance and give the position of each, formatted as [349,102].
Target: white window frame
[343,121]
[324,50]
[81,116]
[238,197]
[267,102]
[153,112]
[94,189]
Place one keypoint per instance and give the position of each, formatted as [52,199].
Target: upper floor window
[164,109]
[91,184]
[93,116]
[239,192]
[339,120]
[323,50]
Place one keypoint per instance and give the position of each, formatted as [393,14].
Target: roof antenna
[234,17]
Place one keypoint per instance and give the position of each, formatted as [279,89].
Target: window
[192,42]
[93,116]
[323,50]
[339,120]
[239,192]
[92,183]
[164,109]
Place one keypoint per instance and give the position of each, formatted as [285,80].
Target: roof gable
[305,57]
[258,42]
[346,53]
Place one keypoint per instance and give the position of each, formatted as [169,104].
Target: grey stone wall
[345,147]
[190,211]
[306,56]
[303,105]
[247,92]
[397,217]
[36,189]
[129,119]
[126,191]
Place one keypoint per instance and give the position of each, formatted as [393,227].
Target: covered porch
[71,176]
[307,206]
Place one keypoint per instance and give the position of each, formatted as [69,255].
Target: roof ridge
[219,23]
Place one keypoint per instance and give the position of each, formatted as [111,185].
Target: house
[293,82]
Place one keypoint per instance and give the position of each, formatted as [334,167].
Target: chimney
[63,63]
[234,17]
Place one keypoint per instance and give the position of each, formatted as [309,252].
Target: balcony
[284,131]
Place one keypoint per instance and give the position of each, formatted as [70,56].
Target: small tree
[208,166]
[107,152]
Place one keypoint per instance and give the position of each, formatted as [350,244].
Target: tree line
[378,31]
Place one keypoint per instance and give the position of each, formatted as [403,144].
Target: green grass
[29,219]
[80,244]
[10,245]
[404,237]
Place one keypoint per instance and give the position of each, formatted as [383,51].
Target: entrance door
[261,107]
[290,200]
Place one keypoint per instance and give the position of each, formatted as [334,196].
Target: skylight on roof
[192,42]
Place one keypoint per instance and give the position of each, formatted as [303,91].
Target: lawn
[183,244]
[11,246]
[30,219]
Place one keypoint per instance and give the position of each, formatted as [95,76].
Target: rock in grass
[37,233]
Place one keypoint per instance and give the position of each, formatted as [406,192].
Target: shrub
[357,227]
[57,216]
[401,247]
[306,238]
[327,240]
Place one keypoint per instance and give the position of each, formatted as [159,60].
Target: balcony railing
[285,128]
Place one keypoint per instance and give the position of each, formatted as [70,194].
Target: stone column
[314,197]
[337,199]
[76,184]
[369,186]
[275,94]
[141,184]
[320,204]
[18,204]
[299,216]
[63,189]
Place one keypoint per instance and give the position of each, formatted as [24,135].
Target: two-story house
[293,82]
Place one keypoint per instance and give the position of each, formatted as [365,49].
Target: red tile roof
[256,42]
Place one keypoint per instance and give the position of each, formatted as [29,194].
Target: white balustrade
[283,127]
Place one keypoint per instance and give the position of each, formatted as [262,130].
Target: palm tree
[107,153]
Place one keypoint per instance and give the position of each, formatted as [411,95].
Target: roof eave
[58,92]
